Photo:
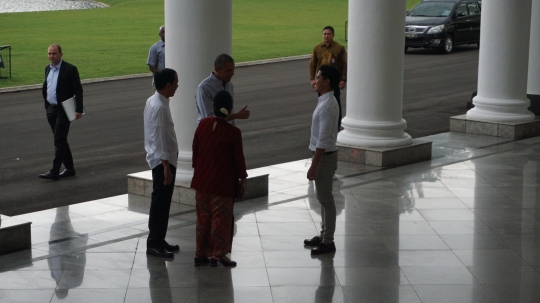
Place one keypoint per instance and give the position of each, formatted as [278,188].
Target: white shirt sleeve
[326,126]
[159,133]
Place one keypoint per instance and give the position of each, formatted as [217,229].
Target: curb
[135,76]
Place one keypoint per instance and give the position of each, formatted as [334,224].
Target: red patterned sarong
[214,225]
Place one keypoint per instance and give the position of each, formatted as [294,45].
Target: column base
[514,130]
[141,184]
[15,234]
[418,151]
[500,110]
[534,108]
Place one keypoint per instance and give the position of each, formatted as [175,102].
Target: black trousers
[158,220]
[337,95]
[60,123]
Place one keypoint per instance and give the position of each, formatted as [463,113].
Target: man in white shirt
[162,155]
[325,157]
[219,79]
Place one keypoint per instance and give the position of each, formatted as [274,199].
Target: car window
[462,8]
[473,9]
[431,9]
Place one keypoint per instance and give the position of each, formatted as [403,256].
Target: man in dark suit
[61,83]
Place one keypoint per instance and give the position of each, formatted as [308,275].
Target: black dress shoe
[49,176]
[67,173]
[213,262]
[324,249]
[313,242]
[159,252]
[171,248]
[201,261]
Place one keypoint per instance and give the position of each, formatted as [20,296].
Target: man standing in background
[156,55]
[329,52]
[62,82]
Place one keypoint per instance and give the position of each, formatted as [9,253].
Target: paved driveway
[107,144]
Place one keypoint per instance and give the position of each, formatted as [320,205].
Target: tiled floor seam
[131,270]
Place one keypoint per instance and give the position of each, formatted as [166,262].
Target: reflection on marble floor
[463,227]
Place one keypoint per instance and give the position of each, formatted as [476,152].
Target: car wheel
[448,46]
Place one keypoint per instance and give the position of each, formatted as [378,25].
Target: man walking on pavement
[62,82]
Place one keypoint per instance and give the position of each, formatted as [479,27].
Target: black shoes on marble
[324,249]
[171,248]
[320,248]
[164,252]
[313,241]
[159,252]
[213,262]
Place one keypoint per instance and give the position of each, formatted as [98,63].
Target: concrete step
[141,184]
[14,234]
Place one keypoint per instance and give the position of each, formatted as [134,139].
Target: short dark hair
[163,77]
[328,27]
[331,73]
[58,47]
[222,100]
[223,59]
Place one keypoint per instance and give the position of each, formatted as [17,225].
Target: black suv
[443,24]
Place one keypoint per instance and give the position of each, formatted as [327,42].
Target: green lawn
[115,40]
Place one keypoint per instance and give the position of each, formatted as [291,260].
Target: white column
[503,63]
[533,86]
[195,33]
[375,75]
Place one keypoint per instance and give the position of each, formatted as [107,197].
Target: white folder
[69,108]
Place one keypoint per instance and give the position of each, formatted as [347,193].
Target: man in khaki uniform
[329,52]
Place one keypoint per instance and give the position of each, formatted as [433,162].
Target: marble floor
[463,227]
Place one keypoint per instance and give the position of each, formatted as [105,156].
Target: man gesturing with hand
[219,80]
